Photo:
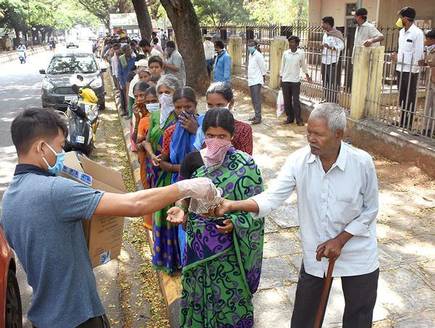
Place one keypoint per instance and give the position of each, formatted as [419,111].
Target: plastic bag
[280,104]
[204,206]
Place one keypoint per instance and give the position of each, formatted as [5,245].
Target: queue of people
[174,142]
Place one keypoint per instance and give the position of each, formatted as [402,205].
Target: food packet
[204,206]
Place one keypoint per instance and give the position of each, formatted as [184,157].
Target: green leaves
[221,12]
[25,14]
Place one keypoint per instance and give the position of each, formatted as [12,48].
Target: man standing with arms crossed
[333,44]
[337,193]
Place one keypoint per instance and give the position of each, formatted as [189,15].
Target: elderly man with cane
[337,193]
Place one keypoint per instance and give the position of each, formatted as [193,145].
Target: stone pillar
[374,87]
[360,78]
[235,49]
[314,12]
[277,48]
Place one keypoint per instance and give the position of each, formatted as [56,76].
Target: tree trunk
[106,23]
[189,41]
[143,18]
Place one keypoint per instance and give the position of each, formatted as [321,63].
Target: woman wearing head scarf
[224,255]
[220,94]
[162,117]
[178,141]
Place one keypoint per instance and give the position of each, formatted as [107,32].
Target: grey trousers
[256,99]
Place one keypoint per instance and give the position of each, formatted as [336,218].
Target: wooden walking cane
[325,295]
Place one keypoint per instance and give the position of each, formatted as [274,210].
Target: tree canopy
[221,12]
[23,15]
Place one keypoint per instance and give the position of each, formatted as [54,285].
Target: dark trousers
[97,322]
[292,105]
[330,82]
[359,294]
[407,97]
[209,66]
[122,101]
[256,99]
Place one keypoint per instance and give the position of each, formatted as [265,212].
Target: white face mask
[167,106]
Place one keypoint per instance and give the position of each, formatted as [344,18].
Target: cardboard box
[103,234]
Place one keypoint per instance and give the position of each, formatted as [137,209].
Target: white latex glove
[198,188]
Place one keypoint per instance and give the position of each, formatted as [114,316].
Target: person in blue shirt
[126,65]
[42,219]
[222,64]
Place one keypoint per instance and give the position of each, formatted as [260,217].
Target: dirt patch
[141,300]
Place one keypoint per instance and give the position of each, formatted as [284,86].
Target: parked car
[56,84]
[11,314]
[72,44]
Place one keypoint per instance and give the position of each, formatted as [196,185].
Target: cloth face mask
[215,151]
[167,107]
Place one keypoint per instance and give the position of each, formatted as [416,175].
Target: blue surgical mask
[58,166]
[154,107]
[251,50]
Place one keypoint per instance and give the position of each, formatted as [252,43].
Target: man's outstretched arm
[151,200]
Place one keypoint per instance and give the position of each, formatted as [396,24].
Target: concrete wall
[337,9]
[382,12]
[314,12]
[388,10]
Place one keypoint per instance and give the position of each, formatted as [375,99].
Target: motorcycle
[22,56]
[82,116]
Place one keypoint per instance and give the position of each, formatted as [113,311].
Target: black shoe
[287,122]
[300,124]
[256,121]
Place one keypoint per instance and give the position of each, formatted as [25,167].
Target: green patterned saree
[222,271]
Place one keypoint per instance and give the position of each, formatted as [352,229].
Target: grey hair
[333,114]
[169,81]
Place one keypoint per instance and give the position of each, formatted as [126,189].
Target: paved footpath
[406,238]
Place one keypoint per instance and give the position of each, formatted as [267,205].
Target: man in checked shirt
[337,204]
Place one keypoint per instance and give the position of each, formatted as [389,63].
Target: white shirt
[291,65]
[343,199]
[115,65]
[256,68]
[132,84]
[208,50]
[364,32]
[330,56]
[155,52]
[411,49]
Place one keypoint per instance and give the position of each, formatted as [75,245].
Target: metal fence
[394,105]
[330,81]
[407,97]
